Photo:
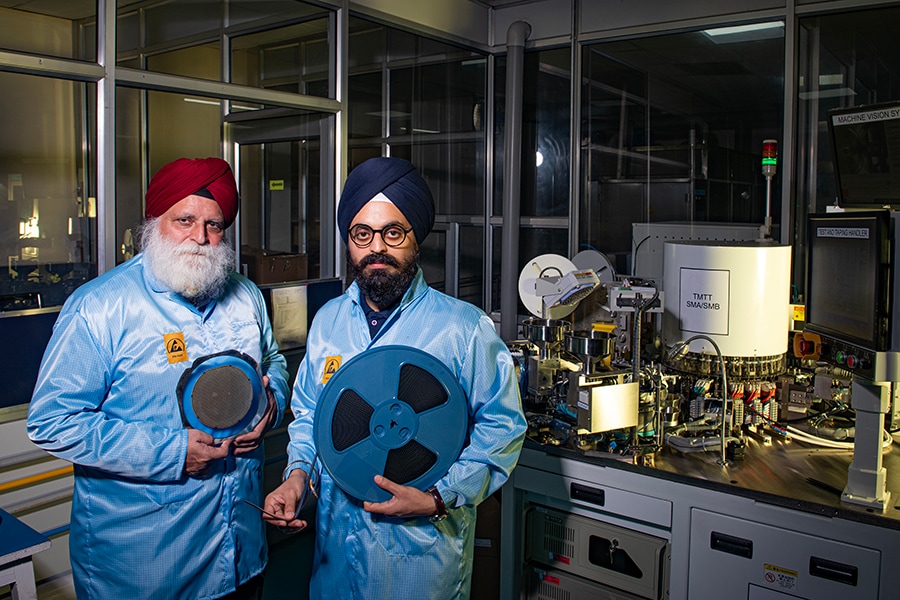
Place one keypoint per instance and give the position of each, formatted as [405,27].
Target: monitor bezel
[879,337]
[840,160]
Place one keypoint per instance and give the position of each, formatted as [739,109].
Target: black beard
[381,287]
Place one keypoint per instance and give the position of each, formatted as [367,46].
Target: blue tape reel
[394,411]
[222,394]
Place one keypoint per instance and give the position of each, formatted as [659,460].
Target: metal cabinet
[565,517]
[732,557]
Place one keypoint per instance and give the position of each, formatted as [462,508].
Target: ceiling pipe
[516,35]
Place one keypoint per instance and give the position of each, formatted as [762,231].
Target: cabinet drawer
[624,559]
[542,583]
[595,496]
[731,556]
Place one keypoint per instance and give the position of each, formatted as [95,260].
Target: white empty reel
[545,265]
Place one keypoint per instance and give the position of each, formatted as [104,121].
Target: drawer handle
[835,571]
[730,544]
[588,494]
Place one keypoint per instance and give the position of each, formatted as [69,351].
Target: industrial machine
[703,371]
[703,368]
[634,365]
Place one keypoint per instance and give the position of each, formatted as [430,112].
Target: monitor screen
[292,307]
[848,274]
[29,331]
[866,143]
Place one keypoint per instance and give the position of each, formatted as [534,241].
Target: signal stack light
[769,165]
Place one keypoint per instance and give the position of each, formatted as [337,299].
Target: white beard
[198,273]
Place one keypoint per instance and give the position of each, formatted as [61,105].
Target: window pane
[672,130]
[290,49]
[453,172]
[471,264]
[281,196]
[129,191]
[180,125]
[169,22]
[281,173]
[48,212]
[538,241]
[845,59]
[202,62]
[128,35]
[60,29]
[546,115]
[422,100]
[289,59]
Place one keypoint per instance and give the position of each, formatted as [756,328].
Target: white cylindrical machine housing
[737,294]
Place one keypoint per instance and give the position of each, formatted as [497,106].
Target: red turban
[187,176]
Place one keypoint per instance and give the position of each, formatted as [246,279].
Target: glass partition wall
[48,204]
[182,69]
[423,100]
[844,59]
[545,160]
[669,124]
[286,49]
[672,130]
[48,197]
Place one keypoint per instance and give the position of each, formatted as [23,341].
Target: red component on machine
[769,157]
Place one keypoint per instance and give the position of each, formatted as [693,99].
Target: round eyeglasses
[392,235]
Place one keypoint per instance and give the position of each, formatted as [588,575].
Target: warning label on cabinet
[779,577]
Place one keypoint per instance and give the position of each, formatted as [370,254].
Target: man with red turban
[158,509]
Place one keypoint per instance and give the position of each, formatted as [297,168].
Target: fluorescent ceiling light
[218,103]
[833,93]
[391,114]
[836,79]
[738,29]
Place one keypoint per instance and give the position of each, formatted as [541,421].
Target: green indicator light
[769,161]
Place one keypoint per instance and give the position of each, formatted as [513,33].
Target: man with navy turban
[158,509]
[419,543]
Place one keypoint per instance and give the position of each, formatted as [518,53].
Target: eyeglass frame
[379,232]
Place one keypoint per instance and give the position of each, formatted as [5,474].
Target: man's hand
[251,440]
[283,502]
[405,501]
[201,452]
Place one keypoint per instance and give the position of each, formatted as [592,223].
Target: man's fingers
[387,485]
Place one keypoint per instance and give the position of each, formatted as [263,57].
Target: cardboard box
[269,266]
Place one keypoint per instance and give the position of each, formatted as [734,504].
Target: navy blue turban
[397,179]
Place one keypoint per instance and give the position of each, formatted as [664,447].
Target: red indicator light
[769,157]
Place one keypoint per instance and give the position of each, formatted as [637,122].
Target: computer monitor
[850,289]
[292,307]
[866,144]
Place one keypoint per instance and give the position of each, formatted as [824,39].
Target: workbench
[18,543]
[769,526]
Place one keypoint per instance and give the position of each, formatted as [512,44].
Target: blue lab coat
[362,555]
[105,400]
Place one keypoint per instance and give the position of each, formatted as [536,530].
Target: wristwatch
[440,510]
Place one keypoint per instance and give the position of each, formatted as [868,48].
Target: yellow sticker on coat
[176,350]
[332,364]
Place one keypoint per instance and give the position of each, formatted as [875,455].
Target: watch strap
[440,509]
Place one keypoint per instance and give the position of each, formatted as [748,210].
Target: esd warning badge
[332,364]
[176,350]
